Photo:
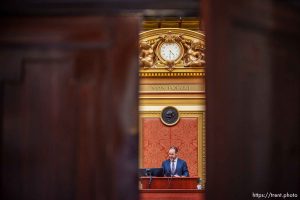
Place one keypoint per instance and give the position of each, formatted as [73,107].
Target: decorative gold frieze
[191,23]
[182,88]
[171,74]
[171,48]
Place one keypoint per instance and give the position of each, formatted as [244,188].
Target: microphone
[147,172]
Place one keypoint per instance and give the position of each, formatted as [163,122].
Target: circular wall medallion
[169,116]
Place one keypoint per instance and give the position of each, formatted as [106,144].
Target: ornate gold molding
[171,74]
[172,48]
[181,109]
[191,23]
[172,88]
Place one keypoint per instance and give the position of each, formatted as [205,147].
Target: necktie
[173,167]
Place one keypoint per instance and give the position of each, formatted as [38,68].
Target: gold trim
[180,97]
[171,74]
[191,23]
[155,32]
[141,144]
[204,150]
[171,88]
[184,109]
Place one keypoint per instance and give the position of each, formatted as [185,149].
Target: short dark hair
[175,148]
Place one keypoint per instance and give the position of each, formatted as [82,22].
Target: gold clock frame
[166,62]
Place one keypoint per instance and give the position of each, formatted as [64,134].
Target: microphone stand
[148,172]
[150,181]
[169,179]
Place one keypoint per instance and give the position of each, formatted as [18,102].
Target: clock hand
[171,52]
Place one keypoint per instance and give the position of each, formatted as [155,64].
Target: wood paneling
[94,7]
[253,98]
[172,194]
[169,183]
[68,107]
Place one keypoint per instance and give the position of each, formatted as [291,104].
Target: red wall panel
[157,138]
[156,141]
[184,135]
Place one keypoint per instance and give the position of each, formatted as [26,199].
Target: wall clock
[170,52]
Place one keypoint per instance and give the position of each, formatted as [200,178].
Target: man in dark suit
[174,166]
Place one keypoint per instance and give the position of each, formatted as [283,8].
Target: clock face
[170,51]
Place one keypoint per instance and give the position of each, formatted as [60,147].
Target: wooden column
[68,107]
[253,84]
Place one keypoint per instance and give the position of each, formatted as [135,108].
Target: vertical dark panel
[285,51]
[252,98]
[69,107]
[38,133]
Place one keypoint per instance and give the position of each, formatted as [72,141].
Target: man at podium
[175,166]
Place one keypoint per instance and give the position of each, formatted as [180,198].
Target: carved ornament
[171,48]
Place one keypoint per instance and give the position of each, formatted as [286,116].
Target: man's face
[172,154]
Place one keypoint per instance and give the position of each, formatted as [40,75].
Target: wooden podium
[166,188]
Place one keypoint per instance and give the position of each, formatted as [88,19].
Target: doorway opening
[172,92]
